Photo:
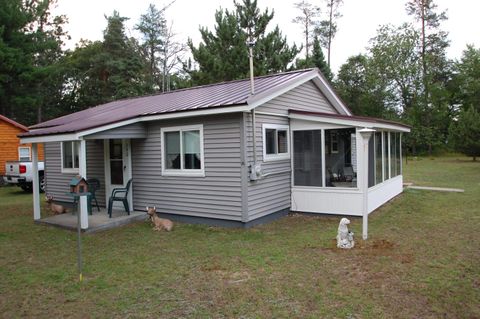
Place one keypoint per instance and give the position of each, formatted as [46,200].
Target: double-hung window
[275,142]
[70,159]
[182,151]
[24,153]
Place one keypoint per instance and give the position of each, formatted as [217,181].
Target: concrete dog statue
[344,236]
[55,208]
[159,223]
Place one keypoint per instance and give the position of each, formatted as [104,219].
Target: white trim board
[348,122]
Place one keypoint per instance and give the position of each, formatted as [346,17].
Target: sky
[360,20]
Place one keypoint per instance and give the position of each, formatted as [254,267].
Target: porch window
[307,158]
[24,153]
[275,142]
[70,159]
[182,150]
[340,163]
[384,157]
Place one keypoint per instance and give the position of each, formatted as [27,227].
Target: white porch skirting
[343,201]
[382,193]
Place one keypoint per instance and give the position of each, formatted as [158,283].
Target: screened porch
[344,165]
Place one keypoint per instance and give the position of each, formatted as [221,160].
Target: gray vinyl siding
[271,193]
[57,182]
[136,130]
[306,97]
[217,195]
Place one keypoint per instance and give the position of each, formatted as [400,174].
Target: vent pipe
[255,169]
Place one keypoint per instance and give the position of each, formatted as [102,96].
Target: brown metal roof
[225,94]
[349,117]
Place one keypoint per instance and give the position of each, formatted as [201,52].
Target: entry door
[118,168]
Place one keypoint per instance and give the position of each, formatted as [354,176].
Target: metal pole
[79,244]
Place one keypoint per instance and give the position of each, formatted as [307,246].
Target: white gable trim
[314,75]
[331,96]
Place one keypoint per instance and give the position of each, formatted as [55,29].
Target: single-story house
[11,149]
[223,155]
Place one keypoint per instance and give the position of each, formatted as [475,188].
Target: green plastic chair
[120,195]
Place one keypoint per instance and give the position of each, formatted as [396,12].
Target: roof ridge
[209,85]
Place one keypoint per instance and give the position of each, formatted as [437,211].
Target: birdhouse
[78,185]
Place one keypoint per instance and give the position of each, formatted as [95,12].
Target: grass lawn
[422,260]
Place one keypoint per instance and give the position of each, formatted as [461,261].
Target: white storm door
[118,168]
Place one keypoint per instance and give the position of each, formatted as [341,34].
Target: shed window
[183,150]
[70,159]
[24,154]
[275,142]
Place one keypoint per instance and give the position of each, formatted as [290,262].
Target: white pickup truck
[21,174]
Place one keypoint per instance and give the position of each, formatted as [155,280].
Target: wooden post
[82,171]
[366,134]
[35,183]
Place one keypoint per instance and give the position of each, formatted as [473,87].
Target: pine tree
[223,55]
[328,27]
[31,80]
[153,27]
[318,59]
[308,20]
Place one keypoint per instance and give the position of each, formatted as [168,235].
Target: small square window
[70,157]
[275,142]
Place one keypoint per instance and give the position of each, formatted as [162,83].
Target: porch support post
[366,134]
[35,183]
[82,171]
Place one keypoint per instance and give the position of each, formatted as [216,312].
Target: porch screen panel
[339,164]
[371,161]
[398,160]
[386,158]
[393,155]
[307,158]
[378,157]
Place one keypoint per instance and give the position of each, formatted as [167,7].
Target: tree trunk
[330,32]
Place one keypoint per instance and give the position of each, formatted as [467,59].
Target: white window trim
[275,157]
[29,152]
[69,170]
[183,172]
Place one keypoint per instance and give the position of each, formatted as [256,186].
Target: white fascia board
[49,138]
[356,123]
[259,99]
[145,118]
[331,96]
[175,115]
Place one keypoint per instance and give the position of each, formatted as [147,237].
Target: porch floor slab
[98,221]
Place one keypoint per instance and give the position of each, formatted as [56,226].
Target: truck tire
[41,180]
[27,187]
